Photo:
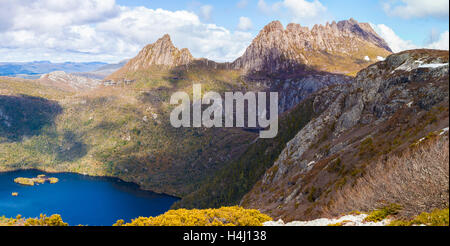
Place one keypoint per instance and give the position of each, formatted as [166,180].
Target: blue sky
[108,30]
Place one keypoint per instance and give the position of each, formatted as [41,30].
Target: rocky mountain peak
[163,53]
[165,38]
[273,27]
[323,46]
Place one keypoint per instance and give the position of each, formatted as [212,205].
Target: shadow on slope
[23,115]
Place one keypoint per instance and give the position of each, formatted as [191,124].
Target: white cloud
[245,24]
[300,11]
[441,43]
[205,11]
[264,7]
[46,15]
[398,44]
[303,9]
[102,30]
[417,8]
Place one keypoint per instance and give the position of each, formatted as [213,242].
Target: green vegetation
[383,213]
[225,216]
[438,217]
[121,131]
[229,185]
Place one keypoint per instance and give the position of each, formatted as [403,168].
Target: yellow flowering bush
[43,220]
[54,220]
[225,216]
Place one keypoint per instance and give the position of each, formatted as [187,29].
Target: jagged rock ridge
[343,47]
[277,49]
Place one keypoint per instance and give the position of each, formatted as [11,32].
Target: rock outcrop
[66,81]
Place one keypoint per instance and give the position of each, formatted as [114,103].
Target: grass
[383,213]
[438,217]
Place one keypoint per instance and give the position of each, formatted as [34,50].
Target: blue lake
[79,199]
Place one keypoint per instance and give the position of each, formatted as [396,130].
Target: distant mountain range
[35,69]
[103,71]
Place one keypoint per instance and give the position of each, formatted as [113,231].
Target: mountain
[343,47]
[389,108]
[35,69]
[162,53]
[294,61]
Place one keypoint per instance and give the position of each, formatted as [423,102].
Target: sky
[114,30]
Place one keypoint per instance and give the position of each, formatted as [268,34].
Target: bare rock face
[162,52]
[332,48]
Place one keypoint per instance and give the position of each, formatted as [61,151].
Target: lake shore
[53,171]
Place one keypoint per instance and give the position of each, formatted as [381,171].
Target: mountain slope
[390,106]
[120,131]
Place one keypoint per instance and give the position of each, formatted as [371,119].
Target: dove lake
[79,199]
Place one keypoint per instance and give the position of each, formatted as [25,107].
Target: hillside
[391,106]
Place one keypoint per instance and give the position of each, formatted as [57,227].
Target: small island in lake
[40,179]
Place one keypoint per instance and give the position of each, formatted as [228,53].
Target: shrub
[438,217]
[225,216]
[418,180]
[54,220]
[383,213]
